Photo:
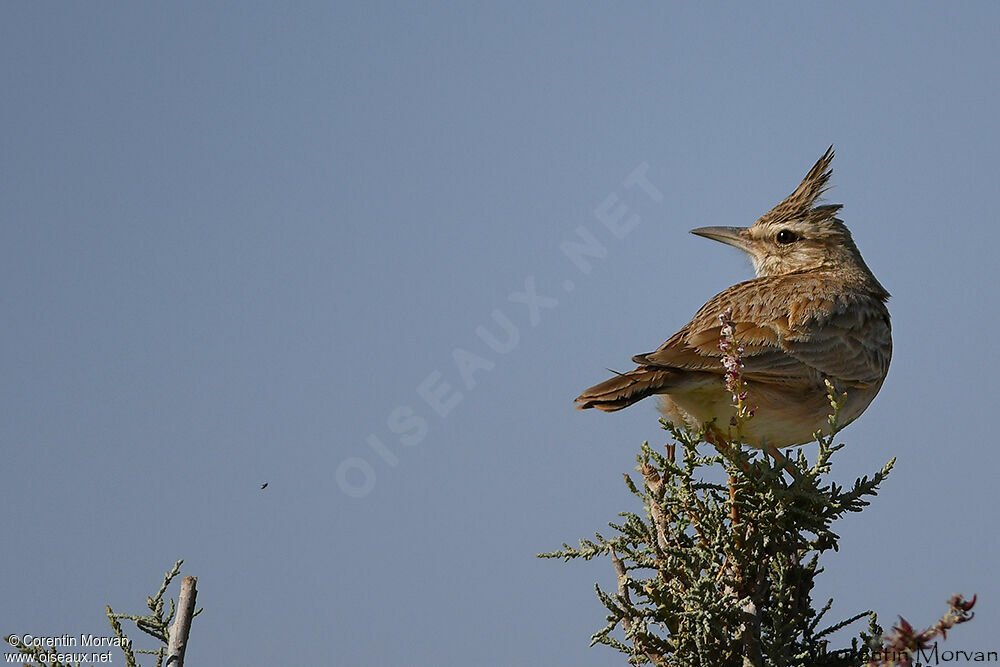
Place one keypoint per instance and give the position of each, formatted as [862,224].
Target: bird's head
[797,234]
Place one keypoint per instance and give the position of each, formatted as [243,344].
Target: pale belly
[782,417]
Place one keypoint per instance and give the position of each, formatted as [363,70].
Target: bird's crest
[801,203]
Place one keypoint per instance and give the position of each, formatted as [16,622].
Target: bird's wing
[789,342]
[851,342]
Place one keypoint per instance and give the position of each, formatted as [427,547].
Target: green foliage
[155,623]
[720,568]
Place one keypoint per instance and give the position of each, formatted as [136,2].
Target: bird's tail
[625,389]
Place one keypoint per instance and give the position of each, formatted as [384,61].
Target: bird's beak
[734,236]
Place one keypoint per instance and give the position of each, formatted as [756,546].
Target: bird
[263,486]
[814,313]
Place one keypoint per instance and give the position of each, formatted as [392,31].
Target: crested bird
[814,312]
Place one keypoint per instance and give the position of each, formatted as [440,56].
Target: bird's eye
[787,236]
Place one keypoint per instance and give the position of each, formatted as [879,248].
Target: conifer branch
[728,546]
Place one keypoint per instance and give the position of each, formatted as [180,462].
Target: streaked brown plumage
[814,312]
